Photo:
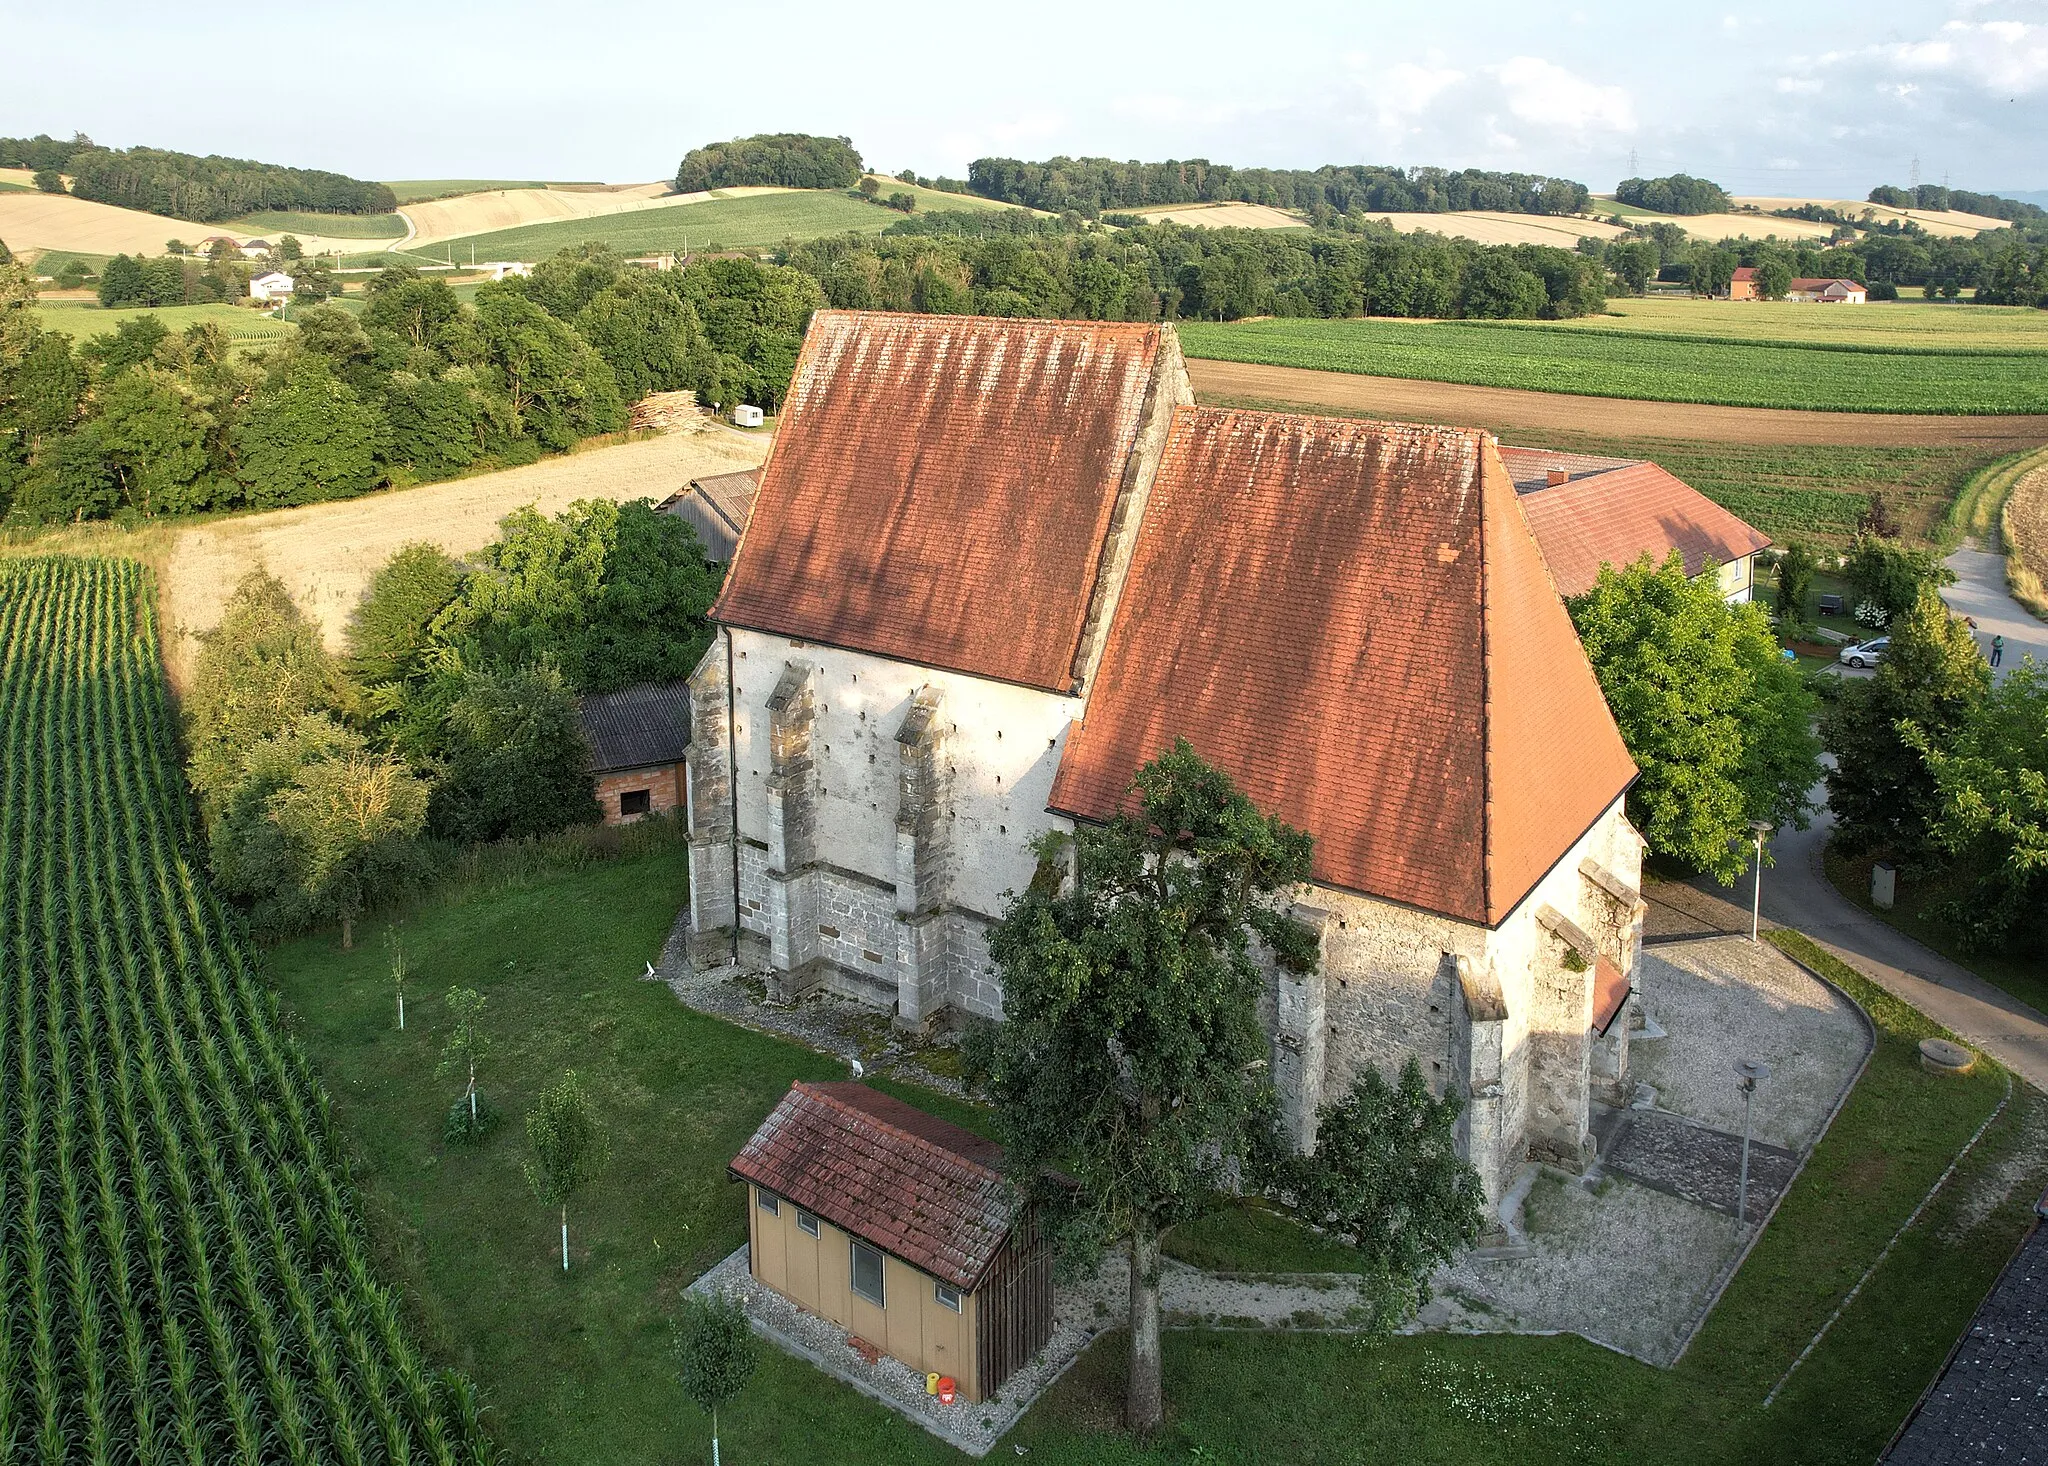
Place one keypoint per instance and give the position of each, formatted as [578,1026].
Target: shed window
[770,1203]
[806,1222]
[635,801]
[867,1273]
[948,1297]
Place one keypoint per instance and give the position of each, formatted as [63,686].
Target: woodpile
[668,412]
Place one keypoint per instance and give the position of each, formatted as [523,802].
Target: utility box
[1884,881]
[744,416]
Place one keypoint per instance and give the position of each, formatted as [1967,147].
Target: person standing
[1997,650]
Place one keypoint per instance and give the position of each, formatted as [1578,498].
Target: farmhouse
[1588,512]
[1742,285]
[1827,292]
[996,565]
[256,249]
[899,1228]
[274,286]
[636,737]
[717,507]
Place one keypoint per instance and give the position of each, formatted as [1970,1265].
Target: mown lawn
[1588,362]
[577,1368]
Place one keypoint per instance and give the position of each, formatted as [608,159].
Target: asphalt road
[1979,593]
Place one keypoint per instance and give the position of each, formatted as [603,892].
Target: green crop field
[758,222]
[335,226]
[183,1272]
[83,320]
[50,261]
[420,190]
[1882,325]
[1653,367]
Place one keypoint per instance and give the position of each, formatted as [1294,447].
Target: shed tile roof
[1614,510]
[888,1173]
[1990,1402]
[636,727]
[940,489]
[1353,620]
[1819,283]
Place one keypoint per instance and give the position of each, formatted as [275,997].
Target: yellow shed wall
[816,1273]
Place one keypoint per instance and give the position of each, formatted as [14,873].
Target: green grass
[577,1368]
[421,190]
[760,221]
[335,226]
[1979,506]
[50,261]
[84,320]
[1250,1235]
[1587,362]
[1882,325]
[1918,899]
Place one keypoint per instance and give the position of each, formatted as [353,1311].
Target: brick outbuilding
[637,738]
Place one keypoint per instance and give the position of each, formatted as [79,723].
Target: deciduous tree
[715,1353]
[1718,723]
[1128,1059]
[569,1148]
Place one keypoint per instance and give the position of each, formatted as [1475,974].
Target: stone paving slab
[1693,1163]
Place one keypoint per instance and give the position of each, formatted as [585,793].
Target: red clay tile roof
[1744,272]
[888,1173]
[1614,511]
[1610,991]
[940,489]
[1352,619]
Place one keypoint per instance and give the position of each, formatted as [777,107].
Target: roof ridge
[895,1130]
[989,322]
[1486,820]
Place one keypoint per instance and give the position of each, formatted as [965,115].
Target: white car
[1866,653]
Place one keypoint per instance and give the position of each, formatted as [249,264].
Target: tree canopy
[1675,193]
[1128,1059]
[1718,723]
[778,159]
[1090,185]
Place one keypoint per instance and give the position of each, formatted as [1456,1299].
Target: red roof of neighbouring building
[1744,272]
[1613,511]
[940,489]
[886,1172]
[1610,991]
[1353,620]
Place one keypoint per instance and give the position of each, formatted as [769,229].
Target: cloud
[1547,96]
[1800,86]
[2007,57]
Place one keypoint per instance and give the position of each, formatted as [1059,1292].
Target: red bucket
[946,1389]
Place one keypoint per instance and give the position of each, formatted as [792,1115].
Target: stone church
[995,565]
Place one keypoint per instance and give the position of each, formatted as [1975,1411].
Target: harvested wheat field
[45,221]
[2025,526]
[326,553]
[1515,410]
[1934,221]
[514,208]
[1563,231]
[1224,216]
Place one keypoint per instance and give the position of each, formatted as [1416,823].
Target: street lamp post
[1759,828]
[1747,1073]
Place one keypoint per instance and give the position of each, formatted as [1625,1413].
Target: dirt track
[1504,409]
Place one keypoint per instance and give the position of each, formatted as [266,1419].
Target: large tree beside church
[1127,1073]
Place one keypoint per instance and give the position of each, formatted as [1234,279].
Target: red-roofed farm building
[993,566]
[901,1229]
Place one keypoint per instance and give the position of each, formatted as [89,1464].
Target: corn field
[183,1275]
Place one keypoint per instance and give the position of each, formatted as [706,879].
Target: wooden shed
[900,1228]
[717,506]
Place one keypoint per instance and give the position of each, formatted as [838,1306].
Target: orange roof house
[995,565]
[1588,512]
[1742,284]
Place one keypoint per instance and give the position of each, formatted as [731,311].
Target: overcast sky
[1791,97]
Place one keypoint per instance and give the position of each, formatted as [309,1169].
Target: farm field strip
[1618,364]
[85,320]
[274,222]
[439,220]
[756,222]
[1883,326]
[182,1268]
